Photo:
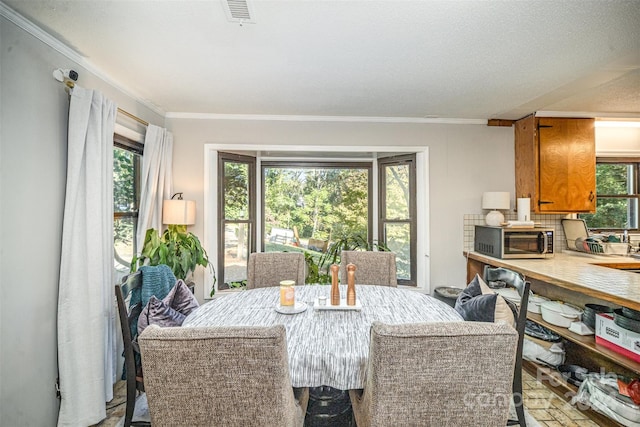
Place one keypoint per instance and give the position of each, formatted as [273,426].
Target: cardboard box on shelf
[616,338]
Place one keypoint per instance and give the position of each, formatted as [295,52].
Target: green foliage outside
[398,235]
[320,202]
[236,191]
[612,213]
[319,267]
[324,203]
[124,197]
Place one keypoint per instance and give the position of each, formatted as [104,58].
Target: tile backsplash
[546,220]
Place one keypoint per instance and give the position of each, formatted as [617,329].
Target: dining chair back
[133,372]
[222,376]
[266,269]
[437,374]
[372,267]
[517,281]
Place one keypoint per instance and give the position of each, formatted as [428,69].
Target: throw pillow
[504,312]
[171,310]
[475,305]
[158,312]
[181,298]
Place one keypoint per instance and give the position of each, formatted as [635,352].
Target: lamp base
[494,218]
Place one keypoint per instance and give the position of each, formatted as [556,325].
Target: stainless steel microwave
[505,242]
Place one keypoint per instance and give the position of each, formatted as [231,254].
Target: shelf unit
[584,345]
[588,342]
[554,381]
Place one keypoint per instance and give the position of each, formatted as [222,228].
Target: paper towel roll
[524,209]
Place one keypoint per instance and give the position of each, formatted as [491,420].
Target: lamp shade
[179,212]
[496,200]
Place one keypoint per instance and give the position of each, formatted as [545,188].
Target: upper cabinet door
[556,164]
[567,165]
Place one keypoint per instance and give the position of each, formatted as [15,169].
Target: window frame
[409,159]
[339,153]
[635,163]
[224,157]
[137,148]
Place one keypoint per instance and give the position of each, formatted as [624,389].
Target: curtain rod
[131,116]
[69,77]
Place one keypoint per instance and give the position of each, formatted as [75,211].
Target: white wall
[622,142]
[33,126]
[465,161]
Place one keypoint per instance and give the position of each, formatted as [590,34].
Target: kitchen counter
[597,276]
[576,278]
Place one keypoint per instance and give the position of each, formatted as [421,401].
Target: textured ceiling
[407,59]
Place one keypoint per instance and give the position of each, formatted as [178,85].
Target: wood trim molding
[500,122]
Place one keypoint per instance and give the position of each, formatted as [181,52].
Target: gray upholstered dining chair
[222,376]
[266,269]
[372,267]
[437,374]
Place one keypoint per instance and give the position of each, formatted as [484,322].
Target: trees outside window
[617,195]
[307,207]
[320,201]
[237,213]
[126,199]
[397,225]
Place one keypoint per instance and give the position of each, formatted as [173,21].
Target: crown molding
[82,61]
[300,118]
[40,34]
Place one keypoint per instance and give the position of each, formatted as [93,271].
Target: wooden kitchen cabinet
[555,164]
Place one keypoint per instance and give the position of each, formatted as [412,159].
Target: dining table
[326,346]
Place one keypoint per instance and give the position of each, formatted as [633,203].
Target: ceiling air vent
[238,11]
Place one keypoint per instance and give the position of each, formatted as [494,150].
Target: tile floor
[549,409]
[115,408]
[541,403]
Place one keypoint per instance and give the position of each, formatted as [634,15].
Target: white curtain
[86,307]
[156,179]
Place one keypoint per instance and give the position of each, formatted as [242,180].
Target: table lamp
[178,211]
[495,200]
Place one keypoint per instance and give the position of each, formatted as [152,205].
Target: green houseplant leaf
[318,270]
[175,247]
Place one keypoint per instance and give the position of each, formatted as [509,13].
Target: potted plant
[318,268]
[175,247]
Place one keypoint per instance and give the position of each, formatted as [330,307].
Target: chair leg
[518,400]
[520,413]
[131,403]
